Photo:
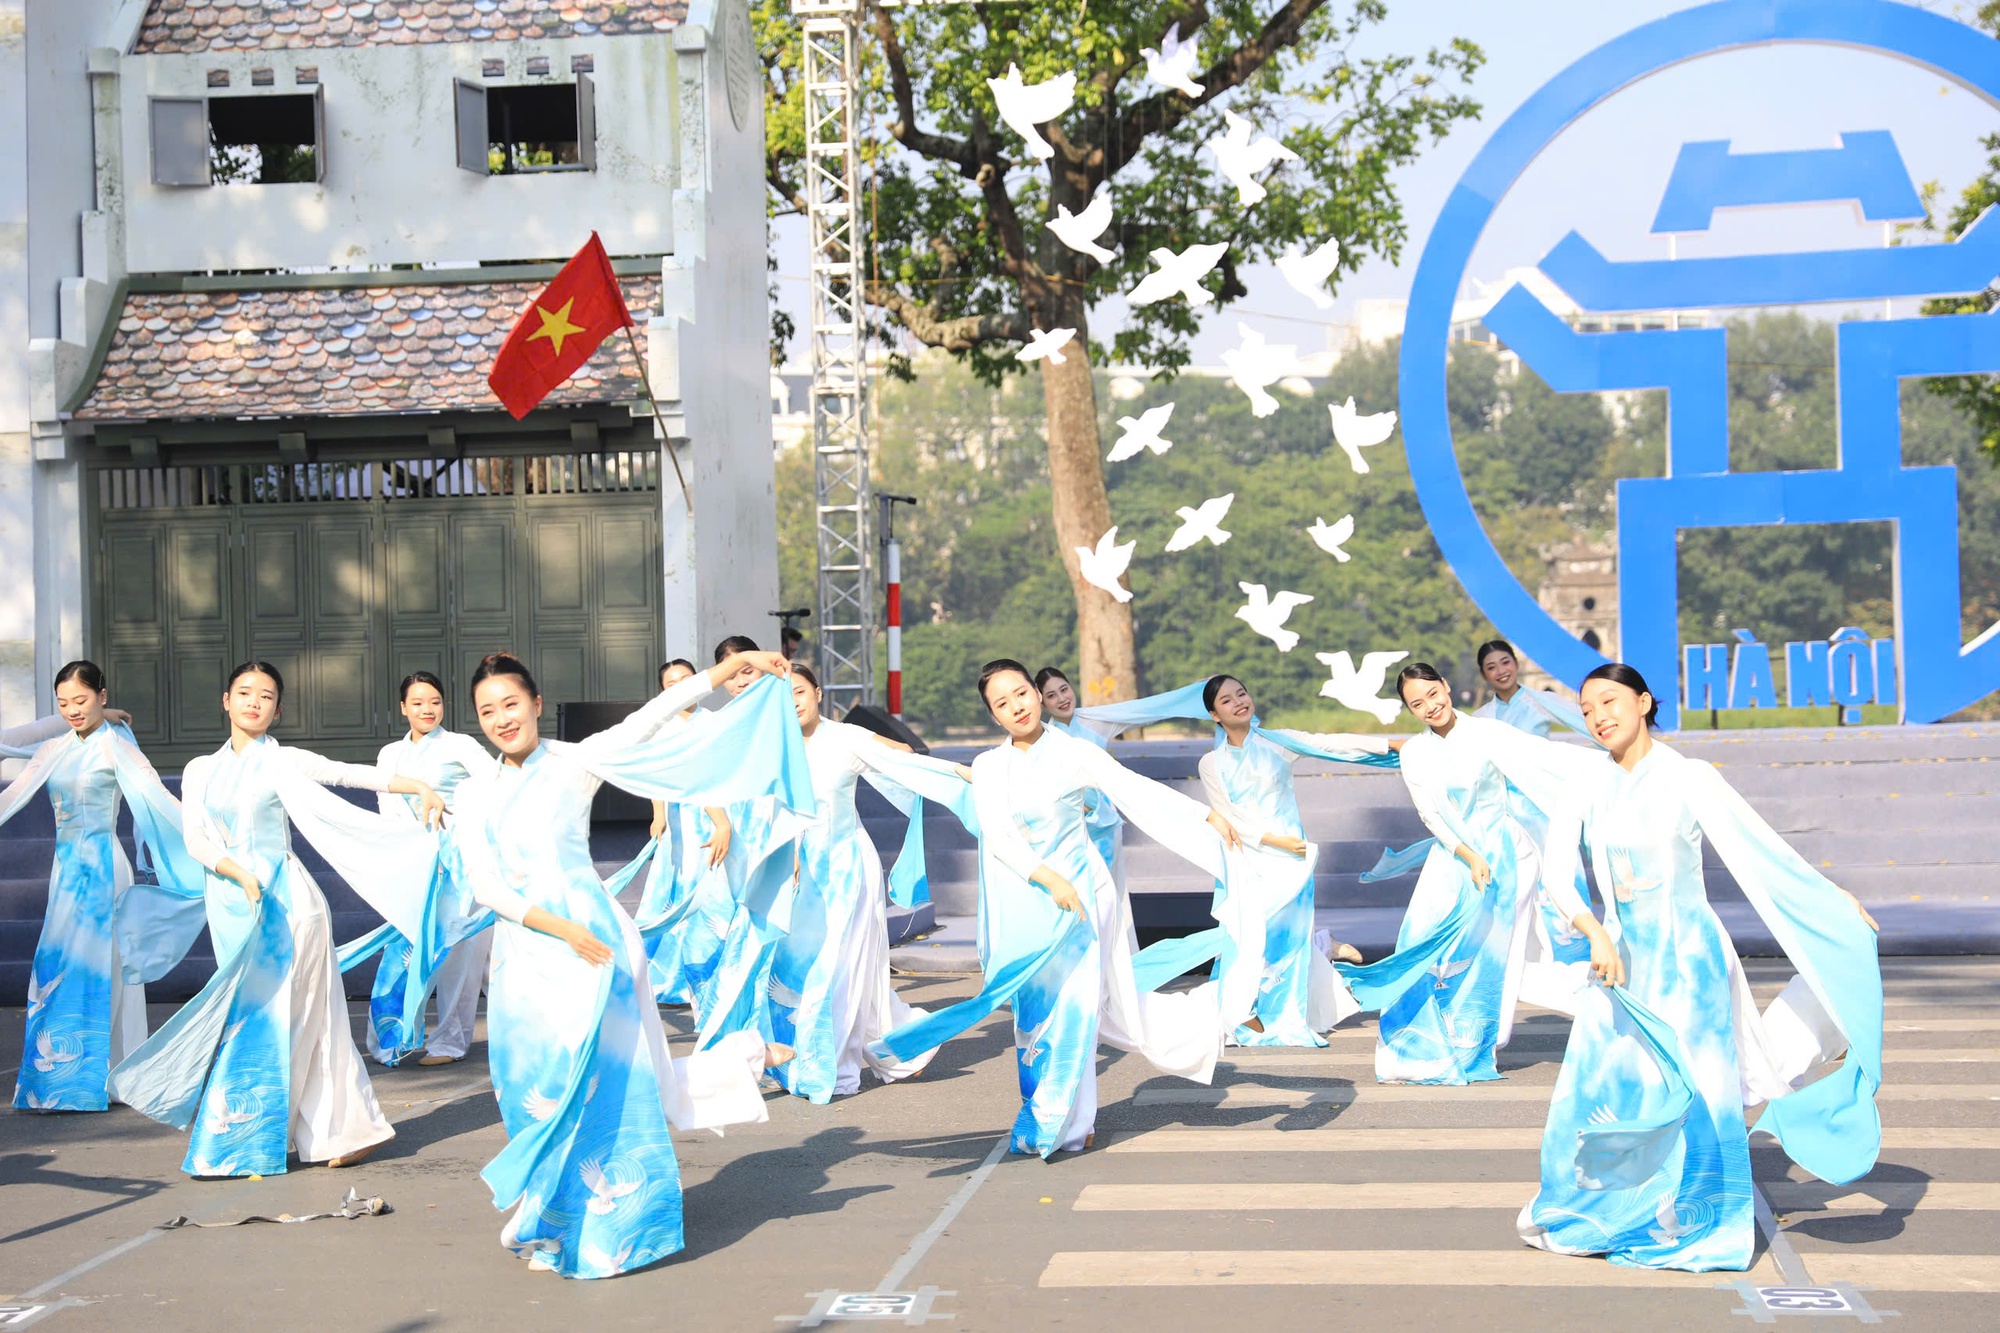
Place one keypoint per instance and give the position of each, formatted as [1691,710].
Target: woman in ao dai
[579,1057]
[831,994]
[84,1013]
[1107,829]
[1290,987]
[264,1055]
[1470,945]
[1646,1155]
[684,911]
[442,759]
[1055,932]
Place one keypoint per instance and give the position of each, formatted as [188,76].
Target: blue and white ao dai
[442,759]
[1275,974]
[579,1058]
[1465,956]
[263,1057]
[1646,1156]
[830,992]
[1070,978]
[87,1003]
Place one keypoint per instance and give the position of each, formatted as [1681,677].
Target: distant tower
[1581,593]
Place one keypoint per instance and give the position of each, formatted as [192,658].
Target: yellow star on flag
[556,325]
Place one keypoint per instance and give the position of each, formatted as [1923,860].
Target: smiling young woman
[589,1178]
[1056,930]
[266,1046]
[83,1014]
[1664,1059]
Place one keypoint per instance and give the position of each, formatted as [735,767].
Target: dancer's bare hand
[1606,966]
[118,717]
[1287,844]
[251,888]
[659,827]
[586,945]
[1230,837]
[1873,924]
[430,806]
[717,845]
[1061,892]
[1482,874]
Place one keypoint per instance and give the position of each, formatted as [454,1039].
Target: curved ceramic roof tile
[326,360]
[183,26]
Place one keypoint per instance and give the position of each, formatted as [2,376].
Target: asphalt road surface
[1296,1192]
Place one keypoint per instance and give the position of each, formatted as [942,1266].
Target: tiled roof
[180,26]
[333,352]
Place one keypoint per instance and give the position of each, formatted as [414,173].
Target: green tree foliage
[982,576]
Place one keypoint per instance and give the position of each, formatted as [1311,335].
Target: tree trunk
[1108,669]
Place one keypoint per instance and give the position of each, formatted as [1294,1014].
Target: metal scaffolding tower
[846,592]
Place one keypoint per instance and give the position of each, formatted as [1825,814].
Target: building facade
[259,259]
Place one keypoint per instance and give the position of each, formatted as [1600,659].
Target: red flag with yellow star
[559,330]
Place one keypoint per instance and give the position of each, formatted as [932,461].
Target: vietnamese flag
[559,330]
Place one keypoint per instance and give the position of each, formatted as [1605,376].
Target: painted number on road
[872,1305]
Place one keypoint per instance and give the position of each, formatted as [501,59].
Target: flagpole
[632,340]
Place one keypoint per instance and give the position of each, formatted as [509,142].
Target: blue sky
[1605,174]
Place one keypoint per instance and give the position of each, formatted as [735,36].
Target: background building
[259,259]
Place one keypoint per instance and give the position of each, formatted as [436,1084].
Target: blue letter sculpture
[1938,670]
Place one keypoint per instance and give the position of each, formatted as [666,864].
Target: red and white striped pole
[893,562]
[892,565]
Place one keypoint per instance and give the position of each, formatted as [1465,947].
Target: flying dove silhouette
[1240,159]
[1142,432]
[1354,432]
[1255,365]
[1048,345]
[1202,522]
[1179,275]
[1267,614]
[1307,272]
[1329,538]
[1101,566]
[1172,66]
[1026,105]
[1079,231]
[1357,688]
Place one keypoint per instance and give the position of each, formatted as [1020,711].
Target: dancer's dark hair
[1490,647]
[734,644]
[1415,671]
[1047,674]
[418,678]
[1620,674]
[504,664]
[1000,666]
[1213,688]
[665,667]
[86,673]
[255,668]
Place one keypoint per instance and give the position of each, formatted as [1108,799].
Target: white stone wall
[712,346]
[393,192]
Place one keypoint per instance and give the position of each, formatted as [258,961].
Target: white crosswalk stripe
[1484,1166]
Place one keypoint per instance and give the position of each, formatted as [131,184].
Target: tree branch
[960,334]
[1163,111]
[941,147]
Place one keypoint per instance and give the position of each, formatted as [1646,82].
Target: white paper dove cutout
[1267,614]
[1308,272]
[1255,365]
[1142,432]
[1102,565]
[1025,105]
[1203,522]
[1353,432]
[1048,345]
[1172,66]
[1079,231]
[1179,275]
[1358,689]
[1330,538]
[1239,159]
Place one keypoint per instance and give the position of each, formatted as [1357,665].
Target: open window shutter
[319,133]
[180,140]
[469,100]
[586,122]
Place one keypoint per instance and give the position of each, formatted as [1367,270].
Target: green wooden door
[346,579]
